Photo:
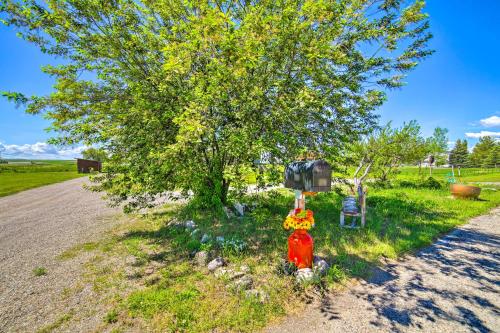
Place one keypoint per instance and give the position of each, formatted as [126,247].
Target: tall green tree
[183,94]
[481,152]
[493,158]
[459,155]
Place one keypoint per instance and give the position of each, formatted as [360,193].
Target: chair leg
[342,219]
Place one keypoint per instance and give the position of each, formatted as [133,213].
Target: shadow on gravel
[464,256]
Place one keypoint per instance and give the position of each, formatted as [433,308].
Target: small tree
[437,145]
[383,152]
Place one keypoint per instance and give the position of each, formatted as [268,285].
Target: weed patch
[56,324]
[40,271]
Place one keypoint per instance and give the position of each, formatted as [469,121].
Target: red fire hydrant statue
[300,249]
[300,243]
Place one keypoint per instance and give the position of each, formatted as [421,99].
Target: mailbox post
[305,177]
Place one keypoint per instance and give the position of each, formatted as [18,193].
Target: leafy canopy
[95,154]
[484,153]
[459,155]
[386,149]
[184,94]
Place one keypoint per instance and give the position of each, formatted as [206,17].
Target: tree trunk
[225,191]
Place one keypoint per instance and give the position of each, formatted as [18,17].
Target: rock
[135,261]
[216,263]
[131,261]
[245,269]
[190,224]
[320,266]
[201,258]
[239,208]
[176,224]
[236,275]
[219,239]
[205,238]
[132,273]
[261,295]
[220,272]
[243,283]
[228,212]
[149,271]
[304,275]
[195,232]
[228,273]
[152,279]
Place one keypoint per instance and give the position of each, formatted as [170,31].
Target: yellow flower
[299,219]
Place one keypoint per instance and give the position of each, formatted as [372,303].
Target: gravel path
[452,286]
[35,227]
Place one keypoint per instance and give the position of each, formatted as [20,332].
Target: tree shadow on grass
[390,220]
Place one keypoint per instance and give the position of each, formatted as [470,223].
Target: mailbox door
[322,177]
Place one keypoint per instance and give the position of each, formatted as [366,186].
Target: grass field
[21,175]
[184,297]
[441,174]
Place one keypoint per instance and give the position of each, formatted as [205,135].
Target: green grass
[38,166]
[40,271]
[466,174]
[187,299]
[57,324]
[19,176]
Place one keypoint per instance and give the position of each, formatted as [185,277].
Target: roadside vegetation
[19,175]
[146,270]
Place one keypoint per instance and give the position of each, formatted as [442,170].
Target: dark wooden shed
[86,166]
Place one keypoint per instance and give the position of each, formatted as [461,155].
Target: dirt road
[452,286]
[36,226]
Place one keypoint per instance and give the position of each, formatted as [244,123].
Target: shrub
[193,245]
[407,184]
[431,183]
[335,274]
[111,317]
[233,246]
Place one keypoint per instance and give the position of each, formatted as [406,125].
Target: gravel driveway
[35,227]
[452,286]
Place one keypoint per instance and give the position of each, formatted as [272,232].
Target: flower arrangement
[299,219]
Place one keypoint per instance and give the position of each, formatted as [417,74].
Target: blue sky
[457,88]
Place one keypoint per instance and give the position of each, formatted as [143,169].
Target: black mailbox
[309,176]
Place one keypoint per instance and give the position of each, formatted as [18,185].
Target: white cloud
[40,150]
[493,121]
[477,135]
